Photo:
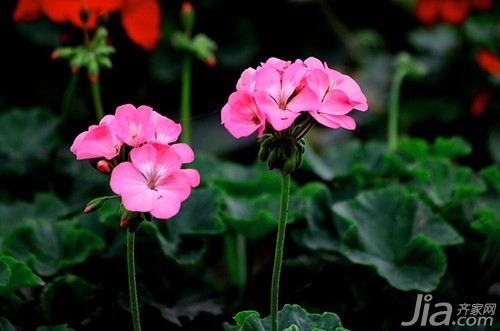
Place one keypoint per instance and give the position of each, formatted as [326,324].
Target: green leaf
[415,149]
[44,205]
[354,158]
[49,246]
[396,233]
[488,224]
[453,147]
[183,236]
[334,161]
[212,168]
[5,325]
[27,136]
[15,275]
[254,218]
[314,202]
[291,317]
[447,183]
[69,298]
[492,175]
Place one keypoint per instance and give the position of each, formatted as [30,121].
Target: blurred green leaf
[5,325]
[253,217]
[44,205]
[183,237]
[354,158]
[452,147]
[49,246]
[488,224]
[492,175]
[314,202]
[395,232]
[68,298]
[446,183]
[415,149]
[15,275]
[27,137]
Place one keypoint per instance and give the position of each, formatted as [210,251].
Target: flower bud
[104,166]
[130,219]
[187,16]
[94,204]
[281,153]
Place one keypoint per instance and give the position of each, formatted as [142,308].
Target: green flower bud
[284,153]
[94,204]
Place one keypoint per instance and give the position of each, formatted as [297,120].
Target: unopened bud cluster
[284,153]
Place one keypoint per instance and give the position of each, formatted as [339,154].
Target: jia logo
[467,314]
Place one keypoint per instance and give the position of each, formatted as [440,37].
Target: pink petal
[193,176]
[240,115]
[184,151]
[155,160]
[133,126]
[98,142]
[166,131]
[128,182]
[335,121]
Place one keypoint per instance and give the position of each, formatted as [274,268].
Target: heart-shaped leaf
[15,275]
[27,136]
[291,316]
[396,233]
[445,182]
[49,246]
[182,236]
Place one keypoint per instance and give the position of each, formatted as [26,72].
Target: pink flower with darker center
[132,125]
[153,181]
[281,92]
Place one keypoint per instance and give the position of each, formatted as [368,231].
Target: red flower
[140,18]
[450,11]
[479,102]
[488,61]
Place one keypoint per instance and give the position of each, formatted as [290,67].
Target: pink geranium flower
[339,94]
[153,181]
[132,125]
[97,142]
[281,93]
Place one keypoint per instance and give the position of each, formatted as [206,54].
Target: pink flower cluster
[278,91]
[136,146]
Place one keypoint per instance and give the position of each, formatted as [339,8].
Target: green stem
[236,260]
[392,127]
[186,100]
[96,97]
[68,96]
[134,303]
[278,257]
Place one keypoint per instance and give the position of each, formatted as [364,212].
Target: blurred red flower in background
[453,12]
[139,18]
[488,61]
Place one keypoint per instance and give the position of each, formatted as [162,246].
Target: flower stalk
[405,65]
[132,287]
[278,256]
